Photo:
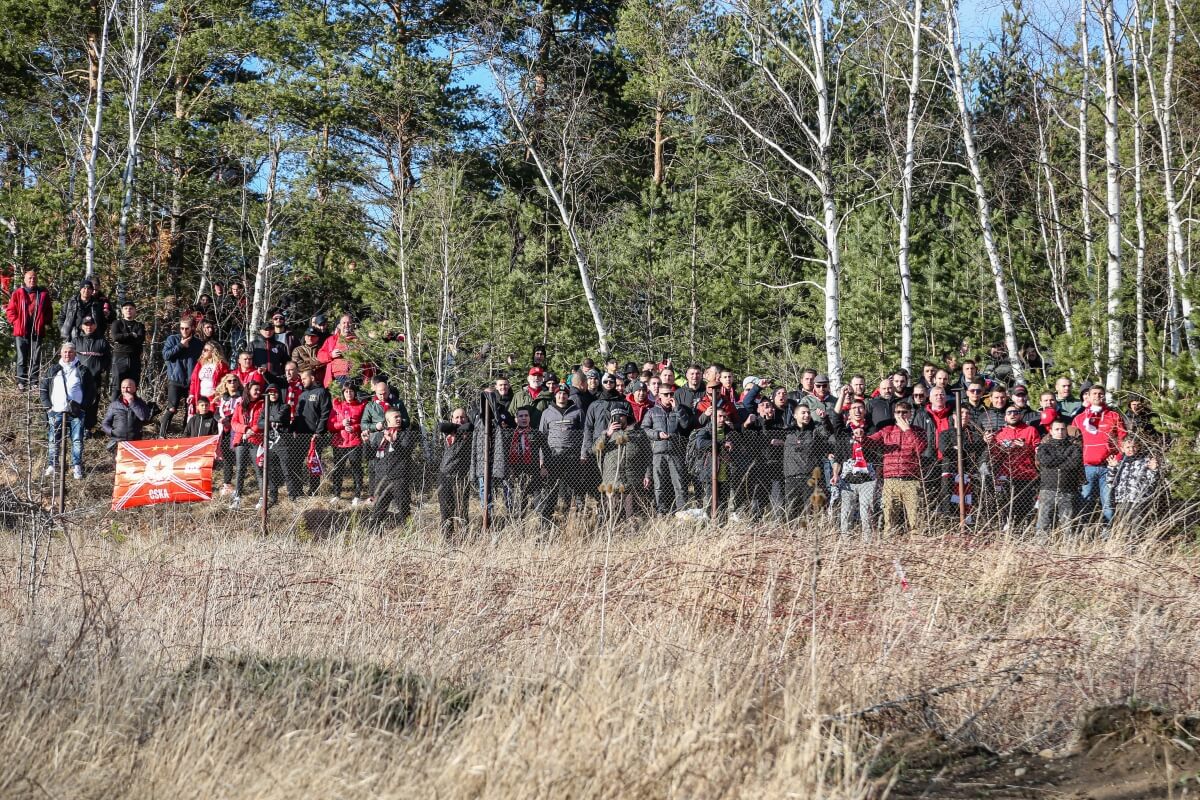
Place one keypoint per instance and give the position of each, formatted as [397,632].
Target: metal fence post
[266,467]
[713,466]
[960,478]
[487,460]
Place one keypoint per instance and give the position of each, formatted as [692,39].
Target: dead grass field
[183,656]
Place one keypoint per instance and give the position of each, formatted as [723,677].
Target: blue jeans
[1096,480]
[54,420]
[500,486]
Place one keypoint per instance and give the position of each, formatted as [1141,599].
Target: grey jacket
[562,429]
[675,423]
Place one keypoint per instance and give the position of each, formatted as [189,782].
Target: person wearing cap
[281,333]
[533,396]
[305,354]
[84,304]
[620,469]
[95,356]
[28,311]
[128,342]
[278,421]
[639,401]
[1014,462]
[1031,416]
[561,434]
[180,352]
[266,352]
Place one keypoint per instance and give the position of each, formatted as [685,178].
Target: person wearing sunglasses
[1013,452]
[180,352]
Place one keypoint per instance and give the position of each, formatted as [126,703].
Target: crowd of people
[295,404]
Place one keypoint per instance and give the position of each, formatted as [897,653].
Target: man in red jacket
[1102,430]
[1014,451]
[901,446]
[29,311]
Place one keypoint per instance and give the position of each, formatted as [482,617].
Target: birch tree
[792,129]
[982,202]
[1112,171]
[93,117]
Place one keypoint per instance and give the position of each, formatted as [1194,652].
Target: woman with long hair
[247,434]
[229,398]
[207,374]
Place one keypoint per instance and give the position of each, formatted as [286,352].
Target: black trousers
[454,493]
[125,367]
[176,398]
[29,361]
[347,462]
[393,489]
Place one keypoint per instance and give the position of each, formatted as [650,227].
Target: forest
[848,185]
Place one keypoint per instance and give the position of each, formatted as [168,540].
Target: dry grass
[173,662]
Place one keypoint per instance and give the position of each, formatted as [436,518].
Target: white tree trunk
[91,161]
[910,139]
[206,261]
[258,308]
[1112,170]
[1085,181]
[981,197]
[1056,253]
[1138,204]
[832,220]
[560,201]
[135,37]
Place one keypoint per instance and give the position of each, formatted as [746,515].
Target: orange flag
[163,471]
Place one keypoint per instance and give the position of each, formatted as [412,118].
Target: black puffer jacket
[803,449]
[123,423]
[1060,464]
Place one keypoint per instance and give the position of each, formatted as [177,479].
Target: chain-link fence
[590,471]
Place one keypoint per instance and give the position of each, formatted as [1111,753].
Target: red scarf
[856,448]
[293,394]
[520,451]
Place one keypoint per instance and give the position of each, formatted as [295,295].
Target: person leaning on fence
[1060,472]
[560,430]
[900,446]
[1134,477]
[619,471]
[67,389]
[393,452]
[247,433]
[278,422]
[126,416]
[764,438]
[1014,452]
[229,396]
[666,425]
[454,474]
[311,412]
[522,479]
[805,446]
[345,424]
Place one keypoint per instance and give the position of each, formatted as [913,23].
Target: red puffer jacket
[346,422]
[247,425]
[901,451]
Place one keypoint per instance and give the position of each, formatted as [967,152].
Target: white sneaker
[235,503]
[735,517]
[77,473]
[354,503]
[50,470]
[258,505]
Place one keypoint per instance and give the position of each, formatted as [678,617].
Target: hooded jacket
[181,359]
[341,413]
[1102,431]
[1014,452]
[1060,463]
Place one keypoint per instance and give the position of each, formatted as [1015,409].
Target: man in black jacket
[128,340]
[266,351]
[692,392]
[310,421]
[1060,470]
[454,474]
[95,356]
[126,416]
[84,304]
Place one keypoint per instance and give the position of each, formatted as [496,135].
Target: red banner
[164,471]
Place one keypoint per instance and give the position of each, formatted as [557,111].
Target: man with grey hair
[67,389]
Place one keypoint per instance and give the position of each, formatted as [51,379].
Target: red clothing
[29,311]
[247,424]
[338,367]
[1016,461]
[941,422]
[245,376]
[725,399]
[292,396]
[1102,432]
[344,412]
[901,451]
[219,371]
[639,409]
